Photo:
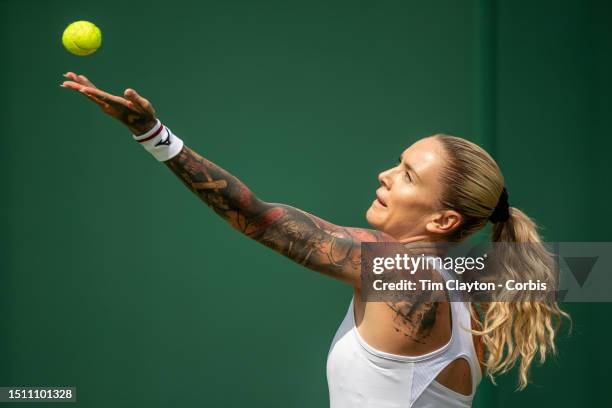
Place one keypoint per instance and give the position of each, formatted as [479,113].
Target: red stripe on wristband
[153,135]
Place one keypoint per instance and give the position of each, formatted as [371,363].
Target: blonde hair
[511,331]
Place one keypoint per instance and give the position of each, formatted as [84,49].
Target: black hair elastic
[501,212]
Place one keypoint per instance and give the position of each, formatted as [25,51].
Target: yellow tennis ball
[82,38]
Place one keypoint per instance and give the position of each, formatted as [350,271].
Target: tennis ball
[82,38]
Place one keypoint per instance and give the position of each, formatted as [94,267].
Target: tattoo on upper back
[414,319]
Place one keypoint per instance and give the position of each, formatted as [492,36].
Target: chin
[373,218]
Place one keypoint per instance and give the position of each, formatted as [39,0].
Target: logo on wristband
[166,142]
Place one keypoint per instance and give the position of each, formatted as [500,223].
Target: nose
[384,179]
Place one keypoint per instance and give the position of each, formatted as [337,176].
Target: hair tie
[501,212]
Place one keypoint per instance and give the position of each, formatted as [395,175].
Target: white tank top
[361,376]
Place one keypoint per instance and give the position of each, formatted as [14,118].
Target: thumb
[133,96]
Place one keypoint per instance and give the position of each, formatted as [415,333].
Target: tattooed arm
[298,235]
[306,239]
[302,237]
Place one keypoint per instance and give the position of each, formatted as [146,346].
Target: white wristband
[160,142]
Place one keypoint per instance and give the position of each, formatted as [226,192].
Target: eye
[406,174]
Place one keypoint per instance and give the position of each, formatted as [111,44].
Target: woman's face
[407,199]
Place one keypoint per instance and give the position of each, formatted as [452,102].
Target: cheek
[406,200]
[411,204]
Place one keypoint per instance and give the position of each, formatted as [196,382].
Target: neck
[415,238]
[425,245]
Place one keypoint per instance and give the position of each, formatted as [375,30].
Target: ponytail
[513,331]
[517,331]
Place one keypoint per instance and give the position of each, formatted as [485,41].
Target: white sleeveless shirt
[361,376]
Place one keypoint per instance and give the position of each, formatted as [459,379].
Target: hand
[132,110]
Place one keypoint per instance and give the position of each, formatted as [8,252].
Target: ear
[444,222]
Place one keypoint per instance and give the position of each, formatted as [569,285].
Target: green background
[118,281]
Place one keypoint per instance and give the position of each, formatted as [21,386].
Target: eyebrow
[410,169]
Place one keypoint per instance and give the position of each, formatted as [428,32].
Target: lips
[380,200]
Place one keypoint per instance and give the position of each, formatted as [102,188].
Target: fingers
[97,95]
[82,84]
[138,100]
[105,96]
[111,104]
[72,85]
[80,79]
[133,96]
[99,102]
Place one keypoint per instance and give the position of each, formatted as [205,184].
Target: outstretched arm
[298,235]
[306,239]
